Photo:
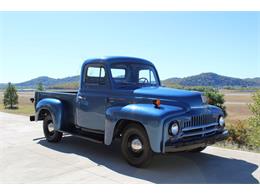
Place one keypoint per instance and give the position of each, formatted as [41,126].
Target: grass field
[25,106]
[236,103]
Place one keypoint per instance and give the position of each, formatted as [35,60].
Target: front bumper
[184,145]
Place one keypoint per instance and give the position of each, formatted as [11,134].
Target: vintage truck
[122,98]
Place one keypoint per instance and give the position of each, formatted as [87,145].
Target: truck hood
[191,98]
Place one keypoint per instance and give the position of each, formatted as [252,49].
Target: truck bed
[68,99]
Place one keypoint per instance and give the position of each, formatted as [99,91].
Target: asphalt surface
[26,157]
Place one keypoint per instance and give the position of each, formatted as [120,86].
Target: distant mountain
[255,80]
[46,81]
[203,79]
[2,85]
[214,80]
[174,80]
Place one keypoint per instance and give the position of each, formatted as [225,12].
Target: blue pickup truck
[122,98]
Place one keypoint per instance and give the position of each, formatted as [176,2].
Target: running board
[90,137]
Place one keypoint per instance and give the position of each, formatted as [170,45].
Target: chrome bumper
[184,145]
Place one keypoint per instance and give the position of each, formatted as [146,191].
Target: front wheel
[48,129]
[135,146]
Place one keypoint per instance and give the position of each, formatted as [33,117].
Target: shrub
[213,95]
[201,88]
[254,121]
[239,133]
[217,99]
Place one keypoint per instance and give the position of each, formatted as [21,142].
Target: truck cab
[122,98]
[105,85]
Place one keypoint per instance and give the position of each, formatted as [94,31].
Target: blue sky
[180,44]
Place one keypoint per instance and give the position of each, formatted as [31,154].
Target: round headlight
[174,128]
[221,121]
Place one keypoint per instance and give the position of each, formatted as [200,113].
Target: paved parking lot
[25,157]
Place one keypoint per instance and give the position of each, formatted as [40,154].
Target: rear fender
[54,107]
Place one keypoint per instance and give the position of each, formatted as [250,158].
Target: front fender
[54,106]
[150,117]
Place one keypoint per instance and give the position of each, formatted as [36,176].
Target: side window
[118,73]
[146,76]
[93,71]
[95,74]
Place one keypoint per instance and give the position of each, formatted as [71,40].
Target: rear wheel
[135,146]
[198,149]
[48,128]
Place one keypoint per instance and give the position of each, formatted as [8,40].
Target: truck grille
[199,126]
[199,121]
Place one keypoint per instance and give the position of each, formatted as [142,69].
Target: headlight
[204,99]
[174,128]
[221,121]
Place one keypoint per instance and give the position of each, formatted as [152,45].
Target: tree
[10,96]
[40,87]
[254,121]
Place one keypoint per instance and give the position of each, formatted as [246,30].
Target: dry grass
[236,103]
[243,97]
[25,106]
[237,112]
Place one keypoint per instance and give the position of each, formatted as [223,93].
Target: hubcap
[50,127]
[136,145]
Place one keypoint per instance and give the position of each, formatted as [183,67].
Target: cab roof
[118,59]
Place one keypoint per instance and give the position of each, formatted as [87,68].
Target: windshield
[133,75]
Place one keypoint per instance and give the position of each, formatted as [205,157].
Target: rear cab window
[118,73]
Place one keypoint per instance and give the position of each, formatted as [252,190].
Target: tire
[197,149]
[135,156]
[50,135]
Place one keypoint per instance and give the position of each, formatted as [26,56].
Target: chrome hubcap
[136,145]
[51,127]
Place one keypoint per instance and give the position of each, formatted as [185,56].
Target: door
[92,98]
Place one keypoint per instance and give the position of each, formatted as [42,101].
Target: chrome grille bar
[199,132]
[199,120]
[199,127]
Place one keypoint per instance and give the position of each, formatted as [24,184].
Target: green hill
[47,82]
[203,79]
[214,80]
